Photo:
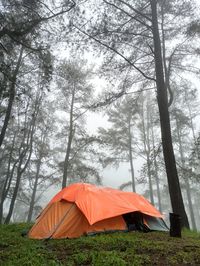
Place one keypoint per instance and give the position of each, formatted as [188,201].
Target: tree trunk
[131,155]
[145,133]
[20,169]
[7,182]
[148,151]
[30,213]
[170,163]
[69,143]
[196,208]
[192,125]
[156,167]
[187,183]
[11,98]
[150,179]
[188,191]
[14,196]
[167,70]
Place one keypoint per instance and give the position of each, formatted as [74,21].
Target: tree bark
[170,163]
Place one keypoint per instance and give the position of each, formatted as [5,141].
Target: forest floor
[117,249]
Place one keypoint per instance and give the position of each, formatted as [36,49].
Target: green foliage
[119,249]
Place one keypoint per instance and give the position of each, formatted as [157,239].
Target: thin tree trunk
[30,213]
[69,143]
[156,167]
[147,152]
[188,191]
[7,181]
[196,208]
[11,98]
[10,177]
[16,188]
[170,163]
[14,196]
[187,184]
[192,125]
[3,85]
[20,169]
[150,179]
[131,155]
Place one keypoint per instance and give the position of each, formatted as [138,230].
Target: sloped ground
[117,249]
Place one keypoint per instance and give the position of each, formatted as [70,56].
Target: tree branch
[133,17]
[117,52]
[135,10]
[34,23]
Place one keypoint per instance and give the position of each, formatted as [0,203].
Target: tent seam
[61,221]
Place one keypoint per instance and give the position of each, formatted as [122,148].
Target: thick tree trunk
[167,70]
[131,156]
[11,98]
[69,143]
[170,163]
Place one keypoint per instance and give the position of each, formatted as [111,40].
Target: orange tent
[81,209]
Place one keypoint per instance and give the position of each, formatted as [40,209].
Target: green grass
[117,249]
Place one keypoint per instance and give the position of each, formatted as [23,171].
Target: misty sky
[112,177]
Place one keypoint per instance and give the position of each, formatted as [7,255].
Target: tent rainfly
[84,209]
